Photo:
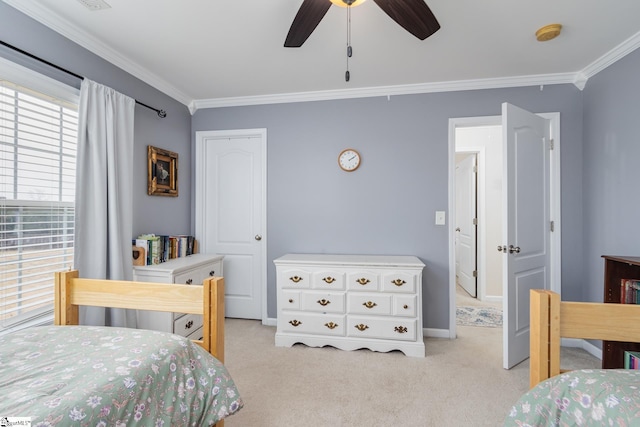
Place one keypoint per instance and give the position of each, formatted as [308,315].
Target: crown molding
[614,55]
[388,91]
[579,79]
[53,21]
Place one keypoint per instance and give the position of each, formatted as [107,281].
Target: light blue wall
[611,168]
[151,214]
[388,205]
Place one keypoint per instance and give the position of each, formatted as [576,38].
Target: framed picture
[162,172]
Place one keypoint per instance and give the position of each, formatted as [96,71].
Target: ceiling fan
[412,15]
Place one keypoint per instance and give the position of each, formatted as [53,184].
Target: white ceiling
[208,53]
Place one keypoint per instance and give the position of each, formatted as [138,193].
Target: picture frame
[162,172]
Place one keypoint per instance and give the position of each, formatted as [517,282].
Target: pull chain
[349,49]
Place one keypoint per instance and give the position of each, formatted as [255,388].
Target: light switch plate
[440,218]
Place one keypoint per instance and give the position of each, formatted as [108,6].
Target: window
[38,138]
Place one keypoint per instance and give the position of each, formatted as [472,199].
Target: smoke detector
[548,32]
[94,5]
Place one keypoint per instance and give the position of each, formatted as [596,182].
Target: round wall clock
[349,159]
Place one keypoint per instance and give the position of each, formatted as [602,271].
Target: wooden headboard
[552,319]
[208,300]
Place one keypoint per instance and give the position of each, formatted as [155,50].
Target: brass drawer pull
[295,279]
[398,282]
[291,301]
[329,280]
[324,302]
[361,327]
[212,273]
[363,281]
[400,329]
[189,281]
[369,304]
[189,324]
[405,306]
[331,325]
[295,322]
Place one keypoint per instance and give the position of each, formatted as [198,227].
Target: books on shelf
[630,291]
[162,248]
[632,360]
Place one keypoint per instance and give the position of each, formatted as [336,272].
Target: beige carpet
[459,382]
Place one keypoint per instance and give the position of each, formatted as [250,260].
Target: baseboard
[435,333]
[565,342]
[583,344]
[270,321]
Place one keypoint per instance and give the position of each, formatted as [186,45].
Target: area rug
[487,317]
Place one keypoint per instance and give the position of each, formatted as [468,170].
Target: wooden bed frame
[552,319]
[208,300]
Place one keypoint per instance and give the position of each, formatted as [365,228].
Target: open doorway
[478,223]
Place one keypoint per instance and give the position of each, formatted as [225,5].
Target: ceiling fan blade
[307,19]
[412,15]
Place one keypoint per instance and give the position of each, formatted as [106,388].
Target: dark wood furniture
[615,269]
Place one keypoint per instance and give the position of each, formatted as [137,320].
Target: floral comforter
[588,397]
[104,376]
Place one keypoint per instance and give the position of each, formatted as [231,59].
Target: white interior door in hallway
[553,181]
[230,210]
[466,220]
[527,227]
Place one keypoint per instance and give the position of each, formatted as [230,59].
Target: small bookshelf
[155,249]
[617,269]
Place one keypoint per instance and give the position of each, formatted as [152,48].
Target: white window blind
[38,138]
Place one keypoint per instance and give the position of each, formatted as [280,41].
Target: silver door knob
[258,237]
[513,249]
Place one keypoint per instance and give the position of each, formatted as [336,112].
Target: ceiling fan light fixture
[345,3]
[548,32]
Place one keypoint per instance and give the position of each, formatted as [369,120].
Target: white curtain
[104,175]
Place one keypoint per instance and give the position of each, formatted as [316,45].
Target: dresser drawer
[289,300]
[361,303]
[186,324]
[324,302]
[294,279]
[405,305]
[306,323]
[197,275]
[382,328]
[365,281]
[327,279]
[399,282]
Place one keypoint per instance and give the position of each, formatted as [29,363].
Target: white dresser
[190,270]
[350,302]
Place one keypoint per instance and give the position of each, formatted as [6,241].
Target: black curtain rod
[161,113]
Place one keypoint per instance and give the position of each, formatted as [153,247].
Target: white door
[526,228]
[465,224]
[231,214]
